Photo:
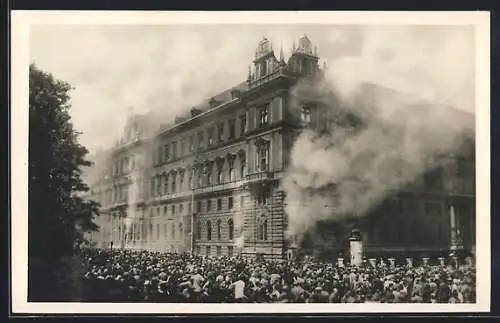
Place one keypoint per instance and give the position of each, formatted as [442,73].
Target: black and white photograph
[250,162]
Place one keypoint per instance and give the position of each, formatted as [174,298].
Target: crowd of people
[116,275]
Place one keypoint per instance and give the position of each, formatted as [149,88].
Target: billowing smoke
[395,111]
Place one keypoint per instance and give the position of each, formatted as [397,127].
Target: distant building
[210,182]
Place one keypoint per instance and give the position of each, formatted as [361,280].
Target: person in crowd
[120,275]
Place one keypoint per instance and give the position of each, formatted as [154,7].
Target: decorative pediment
[241,154]
[219,161]
[259,142]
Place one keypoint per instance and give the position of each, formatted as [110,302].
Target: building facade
[210,182]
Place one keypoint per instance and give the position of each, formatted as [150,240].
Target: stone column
[453,229]
[356,248]
[441,261]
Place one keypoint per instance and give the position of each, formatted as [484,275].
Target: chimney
[195,112]
[213,102]
[235,94]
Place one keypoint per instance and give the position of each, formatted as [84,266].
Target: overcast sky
[117,70]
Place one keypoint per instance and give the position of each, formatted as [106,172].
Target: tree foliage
[58,216]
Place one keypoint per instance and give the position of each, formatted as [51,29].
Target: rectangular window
[200,140]
[165,184]
[209,177]
[210,136]
[173,209]
[230,251]
[181,147]
[230,203]
[263,115]
[157,232]
[165,230]
[242,202]
[221,132]
[305,115]
[165,210]
[158,185]
[209,205]
[231,170]
[174,149]
[181,208]
[189,208]
[231,126]
[264,195]
[152,187]
[219,204]
[219,251]
[219,176]
[207,252]
[191,143]
[243,124]
[173,185]
[166,152]
[198,207]
[263,157]
[434,179]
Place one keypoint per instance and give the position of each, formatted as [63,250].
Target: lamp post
[192,216]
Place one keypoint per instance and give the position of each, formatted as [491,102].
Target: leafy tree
[58,216]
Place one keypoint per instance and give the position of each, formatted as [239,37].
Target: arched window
[243,169]
[158,179]
[209,176]
[219,176]
[219,234]
[231,170]
[165,184]
[230,227]
[198,230]
[181,230]
[209,230]
[262,233]
[173,184]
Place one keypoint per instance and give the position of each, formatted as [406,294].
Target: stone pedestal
[425,261]
[409,262]
[340,262]
[441,261]
[373,262]
[392,261]
[356,248]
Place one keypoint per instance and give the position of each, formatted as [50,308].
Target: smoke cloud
[397,81]
[396,110]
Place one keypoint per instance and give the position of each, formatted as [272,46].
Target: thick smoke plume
[393,117]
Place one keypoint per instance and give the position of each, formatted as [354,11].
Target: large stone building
[210,181]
